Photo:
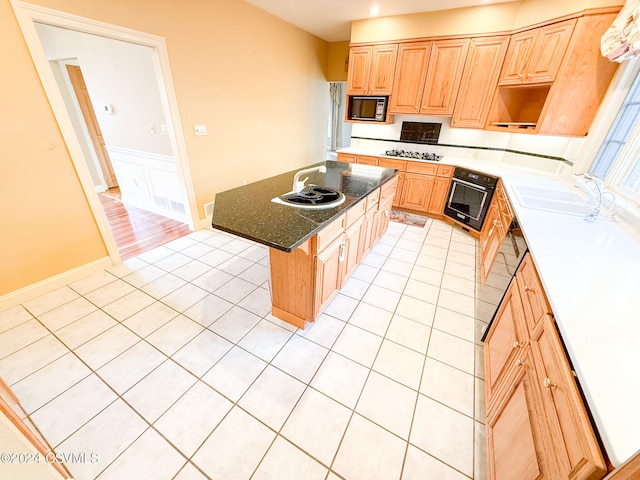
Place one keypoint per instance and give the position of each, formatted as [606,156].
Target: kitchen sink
[565,202]
[550,194]
[312,197]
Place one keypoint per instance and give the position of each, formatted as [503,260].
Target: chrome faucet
[298,184]
[593,213]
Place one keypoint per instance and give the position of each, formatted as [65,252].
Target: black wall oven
[469,197]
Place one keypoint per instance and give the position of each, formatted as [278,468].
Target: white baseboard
[30,292]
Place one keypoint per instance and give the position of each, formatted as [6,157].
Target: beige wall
[467,21]
[258,83]
[46,225]
[338,56]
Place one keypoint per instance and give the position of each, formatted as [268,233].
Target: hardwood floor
[136,230]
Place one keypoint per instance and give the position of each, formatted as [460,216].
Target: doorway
[339,131]
[29,16]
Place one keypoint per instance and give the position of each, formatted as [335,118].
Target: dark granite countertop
[248,211]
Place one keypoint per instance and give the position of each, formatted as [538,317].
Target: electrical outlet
[152,128]
[200,130]
[165,128]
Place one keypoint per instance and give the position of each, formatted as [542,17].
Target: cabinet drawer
[422,167]
[445,170]
[390,163]
[373,199]
[346,158]
[329,233]
[354,213]
[367,160]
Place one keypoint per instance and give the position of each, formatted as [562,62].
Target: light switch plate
[200,130]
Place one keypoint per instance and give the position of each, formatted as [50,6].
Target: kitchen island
[311,251]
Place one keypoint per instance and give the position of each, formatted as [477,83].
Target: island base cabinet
[304,281]
[291,284]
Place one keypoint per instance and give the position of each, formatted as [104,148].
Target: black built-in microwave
[369,109]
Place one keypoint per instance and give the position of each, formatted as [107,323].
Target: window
[618,159]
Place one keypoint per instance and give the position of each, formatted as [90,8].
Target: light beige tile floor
[171,366]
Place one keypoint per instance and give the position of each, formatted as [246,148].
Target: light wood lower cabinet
[517,447]
[537,423]
[416,191]
[328,266]
[494,230]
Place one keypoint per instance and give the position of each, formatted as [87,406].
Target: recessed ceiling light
[374,10]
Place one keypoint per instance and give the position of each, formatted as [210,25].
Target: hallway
[136,230]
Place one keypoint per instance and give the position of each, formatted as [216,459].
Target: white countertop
[591,274]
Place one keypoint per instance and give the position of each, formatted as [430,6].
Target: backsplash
[541,152]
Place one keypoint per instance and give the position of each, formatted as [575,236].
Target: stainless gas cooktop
[417,155]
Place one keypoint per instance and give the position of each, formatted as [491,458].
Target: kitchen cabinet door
[383,66]
[352,243]
[371,69]
[490,240]
[397,198]
[479,80]
[574,441]
[518,444]
[328,273]
[385,217]
[416,191]
[507,337]
[441,187]
[410,75]
[535,56]
[359,70]
[582,81]
[443,78]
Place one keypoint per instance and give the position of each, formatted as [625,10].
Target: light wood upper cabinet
[479,80]
[371,69]
[359,70]
[410,75]
[535,56]
[428,76]
[444,74]
[582,81]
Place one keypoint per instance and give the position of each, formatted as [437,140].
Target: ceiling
[331,19]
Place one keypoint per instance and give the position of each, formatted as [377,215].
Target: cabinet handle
[549,384]
[528,289]
[520,76]
[342,251]
[518,344]
[520,363]
[386,213]
[495,222]
[528,76]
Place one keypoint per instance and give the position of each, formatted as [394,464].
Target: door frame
[27,15]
